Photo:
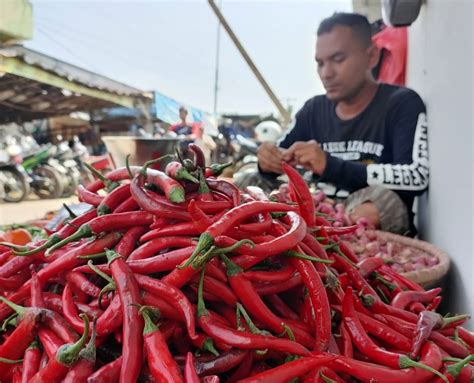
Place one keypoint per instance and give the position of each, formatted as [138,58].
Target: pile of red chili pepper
[178,276]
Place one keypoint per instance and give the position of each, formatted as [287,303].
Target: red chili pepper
[262,226]
[84,367]
[279,275]
[162,365]
[109,373]
[222,290]
[150,202]
[373,373]
[50,343]
[172,189]
[408,329]
[80,282]
[128,205]
[276,288]
[404,298]
[319,300]
[161,262]
[89,197]
[254,304]
[281,307]
[55,321]
[385,333]
[129,294]
[107,323]
[182,228]
[285,241]
[347,349]
[302,193]
[65,232]
[108,223]
[289,371]
[453,371]
[369,265]
[199,158]
[66,262]
[217,330]
[152,247]
[178,172]
[13,282]
[58,367]
[190,374]
[129,241]
[466,336]
[216,170]
[31,362]
[332,230]
[233,217]
[219,364]
[226,188]
[113,199]
[367,346]
[19,340]
[171,295]
[401,279]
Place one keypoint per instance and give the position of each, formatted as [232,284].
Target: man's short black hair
[357,22]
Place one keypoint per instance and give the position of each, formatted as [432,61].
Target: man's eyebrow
[334,55]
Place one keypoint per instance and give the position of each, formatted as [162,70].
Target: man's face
[183,114]
[343,63]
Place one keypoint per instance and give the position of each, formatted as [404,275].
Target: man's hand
[269,158]
[307,154]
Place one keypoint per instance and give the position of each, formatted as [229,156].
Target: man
[188,129]
[364,140]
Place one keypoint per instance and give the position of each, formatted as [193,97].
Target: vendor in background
[191,130]
[364,141]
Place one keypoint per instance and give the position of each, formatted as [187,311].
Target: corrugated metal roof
[68,71]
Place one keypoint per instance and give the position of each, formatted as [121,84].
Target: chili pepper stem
[295,254]
[455,369]
[16,248]
[177,195]
[70,212]
[50,242]
[83,231]
[109,185]
[89,352]
[406,362]
[232,269]
[208,345]
[183,174]
[235,246]
[68,353]
[201,306]
[446,321]
[205,240]
[10,361]
[20,310]
[92,256]
[326,379]
[155,161]
[147,312]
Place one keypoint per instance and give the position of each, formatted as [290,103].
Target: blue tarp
[167,109]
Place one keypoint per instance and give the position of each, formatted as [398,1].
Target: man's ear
[374,56]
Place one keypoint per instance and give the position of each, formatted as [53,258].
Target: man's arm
[408,173]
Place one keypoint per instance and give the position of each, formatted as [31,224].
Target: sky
[170,46]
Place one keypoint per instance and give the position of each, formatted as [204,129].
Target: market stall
[180,276]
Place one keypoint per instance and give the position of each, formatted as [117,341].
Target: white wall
[440,68]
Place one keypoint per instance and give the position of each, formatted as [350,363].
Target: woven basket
[429,277]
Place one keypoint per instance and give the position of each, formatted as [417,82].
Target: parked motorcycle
[46,181]
[14,181]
